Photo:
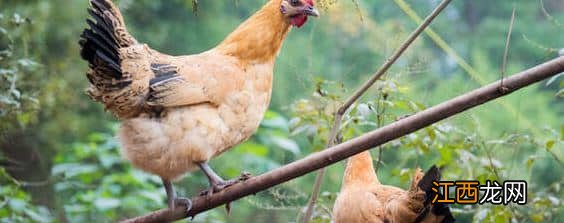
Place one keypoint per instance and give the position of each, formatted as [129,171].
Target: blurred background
[60,162]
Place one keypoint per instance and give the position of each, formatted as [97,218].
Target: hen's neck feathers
[260,37]
[360,171]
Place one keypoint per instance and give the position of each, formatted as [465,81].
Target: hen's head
[297,11]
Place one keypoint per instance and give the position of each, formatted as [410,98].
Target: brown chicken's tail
[100,46]
[437,210]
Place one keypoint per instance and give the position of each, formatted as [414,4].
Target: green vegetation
[60,162]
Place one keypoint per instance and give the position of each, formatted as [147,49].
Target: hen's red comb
[310,2]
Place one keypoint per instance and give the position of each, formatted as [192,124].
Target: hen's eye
[294,2]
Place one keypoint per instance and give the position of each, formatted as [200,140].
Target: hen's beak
[310,10]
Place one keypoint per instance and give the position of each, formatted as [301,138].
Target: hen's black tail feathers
[101,43]
[438,209]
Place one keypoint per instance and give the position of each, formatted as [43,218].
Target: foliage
[100,186]
[51,133]
[16,204]
[16,70]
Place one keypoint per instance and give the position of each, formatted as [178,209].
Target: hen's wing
[169,89]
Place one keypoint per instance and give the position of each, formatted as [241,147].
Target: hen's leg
[216,182]
[172,199]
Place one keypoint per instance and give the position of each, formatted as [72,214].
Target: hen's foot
[173,200]
[218,185]
[181,201]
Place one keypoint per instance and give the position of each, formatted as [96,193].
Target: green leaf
[16,93]
[25,118]
[401,105]
[106,203]
[364,111]
[253,148]
[446,155]
[275,121]
[431,132]
[4,212]
[306,129]
[16,204]
[560,93]
[73,169]
[530,162]
[554,78]
[550,144]
[481,215]
[537,217]
[286,144]
[27,63]
[4,175]
[7,71]
[108,160]
[156,196]
[500,215]
[7,101]
[37,217]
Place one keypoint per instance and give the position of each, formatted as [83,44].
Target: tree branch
[362,143]
[358,93]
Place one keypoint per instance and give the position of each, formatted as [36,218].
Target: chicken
[178,112]
[364,199]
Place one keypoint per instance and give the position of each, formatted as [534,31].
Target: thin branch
[380,117]
[321,173]
[358,10]
[357,145]
[490,159]
[195,6]
[550,17]
[556,158]
[376,76]
[506,51]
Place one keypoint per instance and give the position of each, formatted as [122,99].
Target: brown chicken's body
[363,199]
[177,112]
[184,136]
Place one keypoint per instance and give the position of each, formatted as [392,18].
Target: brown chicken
[363,199]
[178,112]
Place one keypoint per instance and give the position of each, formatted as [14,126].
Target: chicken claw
[217,184]
[182,201]
[173,200]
